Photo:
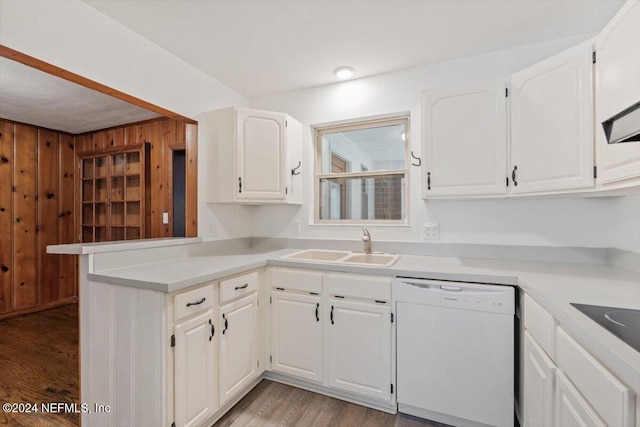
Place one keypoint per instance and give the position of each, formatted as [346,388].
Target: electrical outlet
[431,231]
[165,217]
[212,230]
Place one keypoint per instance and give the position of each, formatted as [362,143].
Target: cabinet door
[194,377]
[571,410]
[260,155]
[360,348]
[617,88]
[538,385]
[296,335]
[465,141]
[552,124]
[238,357]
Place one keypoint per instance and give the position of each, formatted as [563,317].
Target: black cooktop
[621,322]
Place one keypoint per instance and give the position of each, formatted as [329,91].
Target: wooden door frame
[14,55]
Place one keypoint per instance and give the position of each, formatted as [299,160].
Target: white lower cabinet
[538,385]
[335,332]
[238,342]
[564,386]
[296,335]
[571,408]
[194,373]
[359,348]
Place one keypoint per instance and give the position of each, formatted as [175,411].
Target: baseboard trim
[37,308]
[438,417]
[389,407]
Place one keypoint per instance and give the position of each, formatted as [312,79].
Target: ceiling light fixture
[344,72]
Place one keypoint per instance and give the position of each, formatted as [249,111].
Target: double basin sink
[345,257]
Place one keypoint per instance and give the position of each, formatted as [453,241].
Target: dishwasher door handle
[450,288]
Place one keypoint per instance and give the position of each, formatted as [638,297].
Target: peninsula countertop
[553,285]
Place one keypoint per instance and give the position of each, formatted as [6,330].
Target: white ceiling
[32,96]
[264,47]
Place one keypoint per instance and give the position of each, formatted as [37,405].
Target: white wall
[78,38]
[600,222]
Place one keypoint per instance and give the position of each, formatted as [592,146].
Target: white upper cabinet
[552,124]
[260,139]
[465,141]
[618,88]
[250,156]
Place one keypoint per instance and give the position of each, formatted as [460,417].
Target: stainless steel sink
[344,257]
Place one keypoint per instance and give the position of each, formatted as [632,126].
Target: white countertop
[552,285]
[124,245]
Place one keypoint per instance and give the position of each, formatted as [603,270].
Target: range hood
[624,126]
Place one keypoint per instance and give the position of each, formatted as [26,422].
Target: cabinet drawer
[238,286]
[540,324]
[609,397]
[293,279]
[357,286]
[191,302]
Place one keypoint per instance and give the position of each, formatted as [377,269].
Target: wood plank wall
[164,136]
[38,193]
[36,210]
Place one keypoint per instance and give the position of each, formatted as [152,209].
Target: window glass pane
[372,149]
[364,198]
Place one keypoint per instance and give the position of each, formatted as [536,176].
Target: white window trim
[363,123]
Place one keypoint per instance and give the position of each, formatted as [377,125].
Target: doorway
[179,169]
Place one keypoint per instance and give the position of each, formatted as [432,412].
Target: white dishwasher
[455,352]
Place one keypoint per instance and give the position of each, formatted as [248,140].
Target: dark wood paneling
[115,138]
[168,137]
[6,215]
[24,227]
[164,136]
[66,215]
[99,140]
[84,143]
[157,179]
[47,225]
[142,134]
[191,199]
[37,196]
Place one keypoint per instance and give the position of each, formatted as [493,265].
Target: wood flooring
[39,364]
[273,404]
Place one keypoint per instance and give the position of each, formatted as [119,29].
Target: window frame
[357,124]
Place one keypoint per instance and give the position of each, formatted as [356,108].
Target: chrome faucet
[366,239]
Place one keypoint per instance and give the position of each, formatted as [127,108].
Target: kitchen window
[361,172]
